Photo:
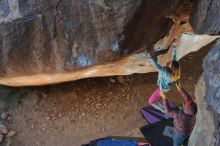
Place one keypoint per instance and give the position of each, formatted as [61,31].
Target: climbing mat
[153,115]
[116,142]
[160,129]
[159,133]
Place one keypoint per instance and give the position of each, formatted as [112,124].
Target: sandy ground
[74,113]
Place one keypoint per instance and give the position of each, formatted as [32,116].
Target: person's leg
[177,140]
[154,97]
[153,100]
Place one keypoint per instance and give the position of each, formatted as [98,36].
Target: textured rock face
[207,130]
[54,36]
[206,17]
[45,42]
[62,36]
[65,35]
[136,63]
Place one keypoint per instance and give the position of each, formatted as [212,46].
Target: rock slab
[207,129]
[205,17]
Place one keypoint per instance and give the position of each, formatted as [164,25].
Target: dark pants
[179,140]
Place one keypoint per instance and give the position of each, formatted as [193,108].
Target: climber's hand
[163,95]
[174,42]
[178,85]
[151,53]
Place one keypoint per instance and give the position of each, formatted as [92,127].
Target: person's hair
[190,109]
[174,70]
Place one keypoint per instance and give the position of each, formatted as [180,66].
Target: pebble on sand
[1,138]
[3,129]
[4,115]
[11,133]
[8,142]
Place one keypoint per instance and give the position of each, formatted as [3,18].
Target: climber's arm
[156,65]
[171,112]
[182,91]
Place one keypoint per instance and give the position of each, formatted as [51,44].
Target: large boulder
[135,63]
[66,35]
[46,42]
[205,17]
[207,129]
[60,35]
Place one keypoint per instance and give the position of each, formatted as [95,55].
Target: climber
[184,119]
[166,75]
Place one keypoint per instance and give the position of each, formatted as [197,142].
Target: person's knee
[150,101]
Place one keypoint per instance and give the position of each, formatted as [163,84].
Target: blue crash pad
[116,143]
